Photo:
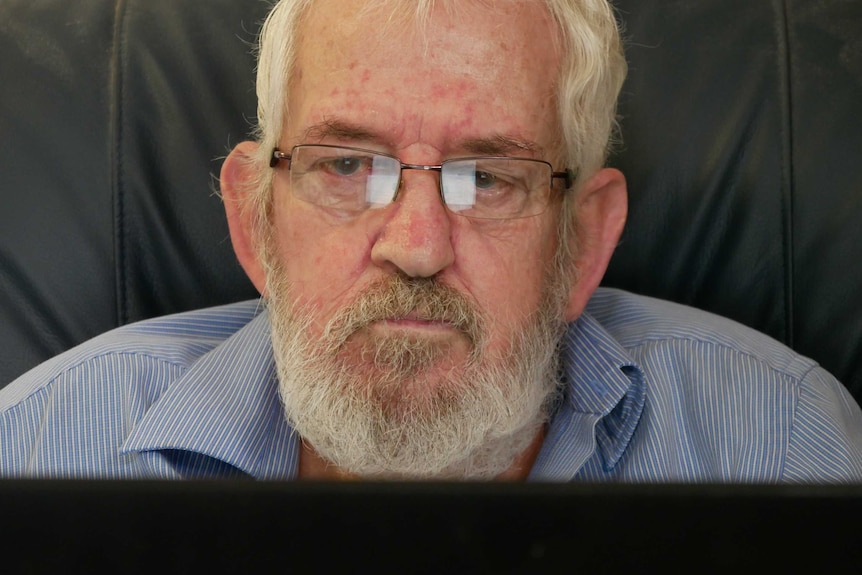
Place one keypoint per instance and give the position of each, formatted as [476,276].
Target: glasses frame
[568,176]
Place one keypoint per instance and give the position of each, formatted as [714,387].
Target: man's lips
[414,322]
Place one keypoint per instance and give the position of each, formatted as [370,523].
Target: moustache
[399,297]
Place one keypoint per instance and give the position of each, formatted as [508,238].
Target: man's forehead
[475,79]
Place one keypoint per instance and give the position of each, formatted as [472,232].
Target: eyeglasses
[353,180]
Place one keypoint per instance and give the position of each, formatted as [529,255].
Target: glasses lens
[343,179]
[350,181]
[496,188]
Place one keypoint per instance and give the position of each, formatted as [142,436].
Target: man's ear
[601,208]
[239,175]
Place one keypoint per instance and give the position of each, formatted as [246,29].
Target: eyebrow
[500,145]
[497,145]
[341,130]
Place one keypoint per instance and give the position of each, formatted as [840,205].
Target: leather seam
[783,64]
[117,161]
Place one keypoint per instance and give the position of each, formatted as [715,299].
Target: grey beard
[395,413]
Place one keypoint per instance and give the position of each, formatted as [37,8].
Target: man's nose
[416,237]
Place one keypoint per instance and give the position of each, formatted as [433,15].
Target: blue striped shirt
[654,392]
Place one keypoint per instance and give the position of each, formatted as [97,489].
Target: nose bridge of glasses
[422,168]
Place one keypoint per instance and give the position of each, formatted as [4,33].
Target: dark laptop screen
[250,527]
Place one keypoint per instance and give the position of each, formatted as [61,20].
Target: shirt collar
[603,399]
[226,406]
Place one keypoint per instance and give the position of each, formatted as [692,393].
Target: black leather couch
[742,142]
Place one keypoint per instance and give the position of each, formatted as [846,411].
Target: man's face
[414,305]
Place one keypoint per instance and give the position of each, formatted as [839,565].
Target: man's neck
[314,467]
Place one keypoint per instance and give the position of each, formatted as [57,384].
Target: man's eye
[485,180]
[343,166]
[496,189]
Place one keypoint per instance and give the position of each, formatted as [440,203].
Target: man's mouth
[415,322]
[410,309]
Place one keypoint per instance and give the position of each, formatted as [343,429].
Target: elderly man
[426,214]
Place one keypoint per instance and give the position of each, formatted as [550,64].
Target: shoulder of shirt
[178,339]
[637,321]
